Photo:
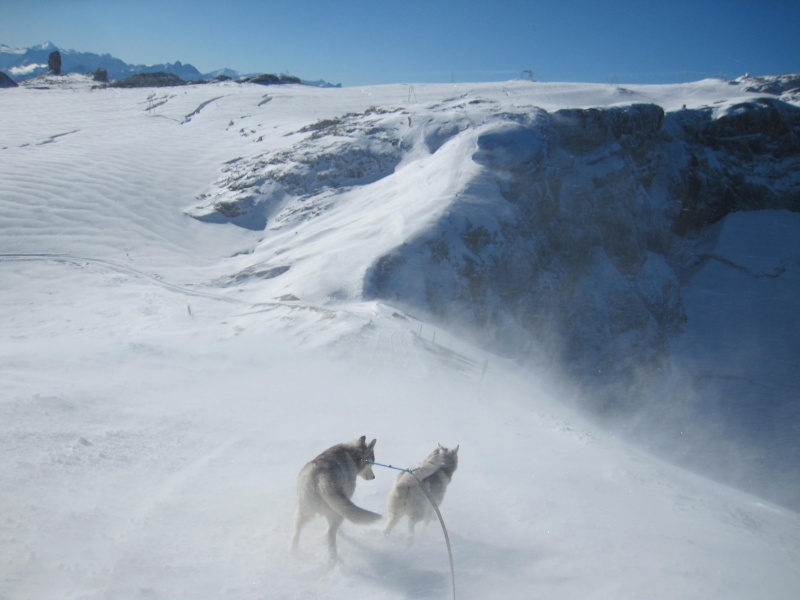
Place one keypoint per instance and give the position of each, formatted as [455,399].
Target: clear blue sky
[362,42]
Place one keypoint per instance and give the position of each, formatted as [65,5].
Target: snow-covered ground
[162,387]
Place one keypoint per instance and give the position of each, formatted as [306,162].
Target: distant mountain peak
[9,50]
[25,63]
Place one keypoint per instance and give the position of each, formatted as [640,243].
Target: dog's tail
[345,507]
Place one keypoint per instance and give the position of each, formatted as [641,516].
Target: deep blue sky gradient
[362,42]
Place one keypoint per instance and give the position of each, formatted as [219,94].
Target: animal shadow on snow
[492,567]
[397,567]
[422,570]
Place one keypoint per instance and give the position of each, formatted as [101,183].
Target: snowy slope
[163,383]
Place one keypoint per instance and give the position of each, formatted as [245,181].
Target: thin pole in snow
[485,366]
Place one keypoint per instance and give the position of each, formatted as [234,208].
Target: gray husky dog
[406,497]
[326,484]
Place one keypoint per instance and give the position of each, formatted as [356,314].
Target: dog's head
[366,455]
[445,458]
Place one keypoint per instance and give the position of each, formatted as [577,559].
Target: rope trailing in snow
[438,514]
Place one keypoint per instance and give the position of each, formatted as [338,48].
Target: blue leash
[438,514]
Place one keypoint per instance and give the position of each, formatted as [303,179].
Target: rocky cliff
[557,236]
[575,255]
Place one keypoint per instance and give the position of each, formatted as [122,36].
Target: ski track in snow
[118,268]
[197,110]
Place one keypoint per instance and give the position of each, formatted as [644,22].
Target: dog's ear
[362,440]
[371,444]
[456,450]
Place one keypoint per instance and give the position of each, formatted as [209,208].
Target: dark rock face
[776,85]
[100,75]
[54,62]
[269,79]
[149,80]
[584,130]
[744,160]
[6,81]
[264,79]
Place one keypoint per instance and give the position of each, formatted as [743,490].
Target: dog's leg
[411,524]
[300,520]
[334,521]
[390,523]
[426,521]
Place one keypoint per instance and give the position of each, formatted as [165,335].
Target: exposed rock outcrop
[747,159]
[580,265]
[258,190]
[54,62]
[6,81]
[269,79]
[100,75]
[776,85]
[141,80]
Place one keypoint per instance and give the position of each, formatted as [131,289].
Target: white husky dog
[406,497]
[326,484]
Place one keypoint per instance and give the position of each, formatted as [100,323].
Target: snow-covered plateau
[591,289]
